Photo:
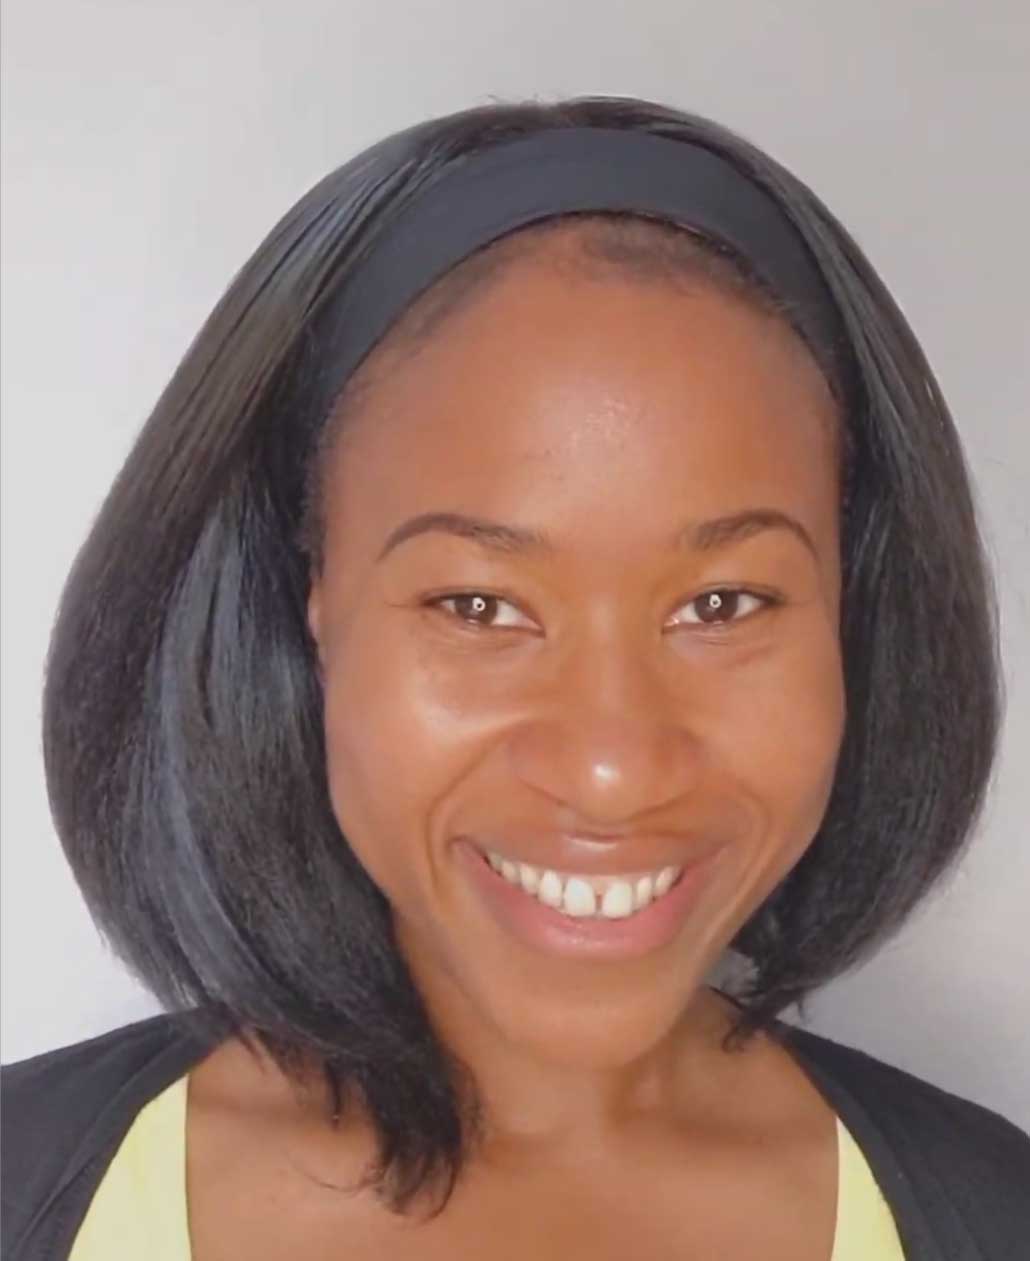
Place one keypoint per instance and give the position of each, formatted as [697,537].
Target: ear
[315,621]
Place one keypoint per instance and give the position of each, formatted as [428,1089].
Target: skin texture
[609,415]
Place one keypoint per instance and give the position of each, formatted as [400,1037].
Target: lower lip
[546,929]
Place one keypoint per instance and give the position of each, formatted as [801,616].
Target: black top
[955,1174]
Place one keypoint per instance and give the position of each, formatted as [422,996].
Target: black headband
[484,195]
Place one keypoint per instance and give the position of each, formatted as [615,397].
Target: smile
[583,896]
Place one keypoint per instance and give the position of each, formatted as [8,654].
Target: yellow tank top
[139,1208]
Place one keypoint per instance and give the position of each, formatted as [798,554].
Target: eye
[472,605]
[724,605]
[719,607]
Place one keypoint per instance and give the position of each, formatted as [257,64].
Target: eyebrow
[701,536]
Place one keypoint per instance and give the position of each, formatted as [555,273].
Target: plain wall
[149,146]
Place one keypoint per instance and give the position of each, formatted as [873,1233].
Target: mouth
[614,917]
[584,896]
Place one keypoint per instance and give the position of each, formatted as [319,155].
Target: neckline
[182,1044]
[168,1110]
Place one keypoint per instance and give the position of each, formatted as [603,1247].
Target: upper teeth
[578,895]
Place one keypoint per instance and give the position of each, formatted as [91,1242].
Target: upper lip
[593,856]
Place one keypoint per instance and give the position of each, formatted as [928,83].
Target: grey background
[148,147]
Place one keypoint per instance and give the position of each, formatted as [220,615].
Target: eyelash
[765,601]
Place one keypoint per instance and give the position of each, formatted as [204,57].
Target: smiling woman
[552,567]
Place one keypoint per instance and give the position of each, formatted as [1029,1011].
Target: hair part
[182,712]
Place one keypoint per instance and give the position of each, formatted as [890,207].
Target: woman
[552,567]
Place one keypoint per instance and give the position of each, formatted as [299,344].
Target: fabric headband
[487,194]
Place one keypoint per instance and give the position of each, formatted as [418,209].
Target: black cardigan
[955,1174]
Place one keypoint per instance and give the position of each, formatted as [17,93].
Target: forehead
[551,395]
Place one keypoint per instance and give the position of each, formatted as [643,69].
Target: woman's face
[595,685]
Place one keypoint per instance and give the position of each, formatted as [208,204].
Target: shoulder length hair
[182,719]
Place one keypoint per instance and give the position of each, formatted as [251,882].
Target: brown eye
[724,605]
[476,609]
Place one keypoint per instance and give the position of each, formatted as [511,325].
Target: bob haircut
[182,709]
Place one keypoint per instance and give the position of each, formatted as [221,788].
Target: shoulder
[964,1161]
[906,1100]
[73,1082]
[63,1112]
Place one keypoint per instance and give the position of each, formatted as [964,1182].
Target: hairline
[594,247]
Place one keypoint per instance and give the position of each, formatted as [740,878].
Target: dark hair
[182,719]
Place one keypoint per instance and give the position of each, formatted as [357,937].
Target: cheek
[387,736]
[784,740]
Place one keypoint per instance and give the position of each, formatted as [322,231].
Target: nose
[608,740]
